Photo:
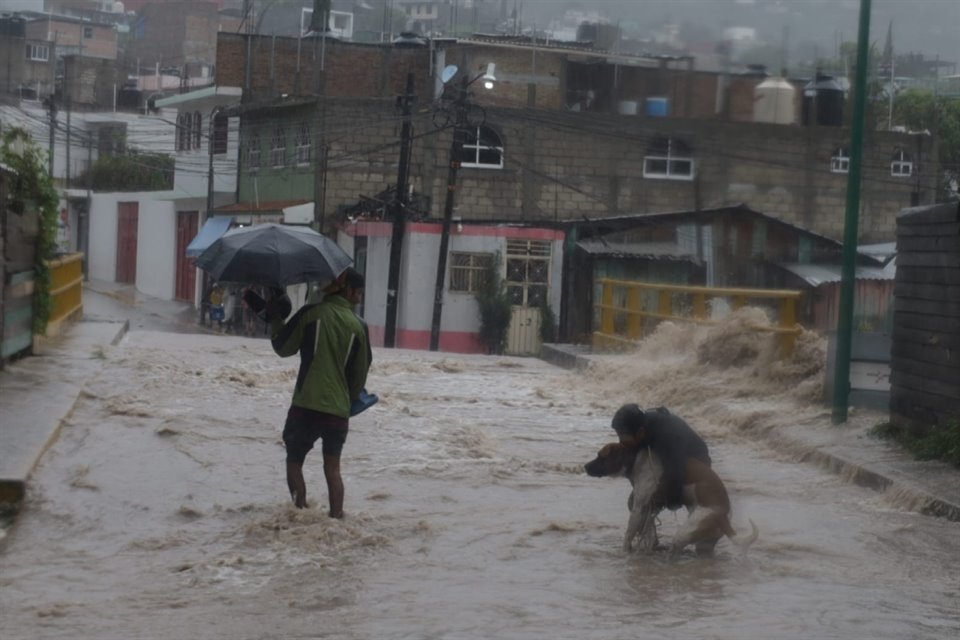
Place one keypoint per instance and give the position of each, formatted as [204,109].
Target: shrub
[32,190]
[941,442]
[495,309]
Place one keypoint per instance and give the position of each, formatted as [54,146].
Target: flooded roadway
[161,512]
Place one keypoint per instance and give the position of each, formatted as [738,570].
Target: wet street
[162,511]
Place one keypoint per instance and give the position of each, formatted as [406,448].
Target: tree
[495,308]
[132,171]
[922,111]
[32,190]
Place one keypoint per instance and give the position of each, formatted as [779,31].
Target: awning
[212,229]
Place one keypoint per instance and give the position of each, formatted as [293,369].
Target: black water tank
[823,102]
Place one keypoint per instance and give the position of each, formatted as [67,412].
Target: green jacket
[334,354]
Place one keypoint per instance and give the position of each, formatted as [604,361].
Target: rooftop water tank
[774,101]
[823,102]
[657,107]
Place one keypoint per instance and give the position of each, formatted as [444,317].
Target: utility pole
[841,381]
[456,147]
[51,105]
[399,216]
[67,168]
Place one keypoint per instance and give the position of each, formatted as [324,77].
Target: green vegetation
[937,443]
[548,323]
[31,190]
[131,171]
[495,309]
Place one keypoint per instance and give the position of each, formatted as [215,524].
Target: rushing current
[162,510]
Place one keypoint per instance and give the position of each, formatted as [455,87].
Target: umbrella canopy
[274,255]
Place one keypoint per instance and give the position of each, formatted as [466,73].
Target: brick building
[542,153]
[73,36]
[176,34]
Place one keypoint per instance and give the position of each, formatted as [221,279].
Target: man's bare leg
[331,470]
[296,484]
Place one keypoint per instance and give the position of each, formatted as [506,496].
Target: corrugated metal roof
[650,250]
[818,274]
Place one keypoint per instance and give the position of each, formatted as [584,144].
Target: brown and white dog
[704,496]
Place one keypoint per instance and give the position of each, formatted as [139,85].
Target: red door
[186,273]
[127,218]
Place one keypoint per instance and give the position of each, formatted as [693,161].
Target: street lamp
[463,117]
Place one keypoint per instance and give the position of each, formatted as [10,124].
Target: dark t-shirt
[674,441]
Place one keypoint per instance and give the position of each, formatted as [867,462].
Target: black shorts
[305,426]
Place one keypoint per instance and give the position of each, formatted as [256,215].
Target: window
[468,270]
[528,271]
[37,52]
[253,153]
[901,165]
[278,147]
[184,122]
[87,32]
[482,149]
[197,129]
[668,159]
[303,143]
[840,162]
[221,128]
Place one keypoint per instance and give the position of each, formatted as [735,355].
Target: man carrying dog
[334,360]
[670,437]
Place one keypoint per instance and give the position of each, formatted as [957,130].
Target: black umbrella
[274,255]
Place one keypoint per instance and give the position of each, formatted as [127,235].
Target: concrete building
[73,36]
[28,70]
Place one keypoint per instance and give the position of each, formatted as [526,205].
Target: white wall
[193,166]
[156,242]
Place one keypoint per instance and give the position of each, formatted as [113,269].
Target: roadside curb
[577,357]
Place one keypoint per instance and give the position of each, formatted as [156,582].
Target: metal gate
[187,222]
[528,283]
[127,224]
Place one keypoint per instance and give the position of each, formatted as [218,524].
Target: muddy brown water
[161,511]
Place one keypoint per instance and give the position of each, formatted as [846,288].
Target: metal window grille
[253,153]
[278,147]
[468,270]
[528,271]
[303,144]
[197,129]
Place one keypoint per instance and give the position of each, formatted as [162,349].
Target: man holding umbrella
[334,360]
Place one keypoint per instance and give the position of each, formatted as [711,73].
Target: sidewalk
[930,487]
[37,393]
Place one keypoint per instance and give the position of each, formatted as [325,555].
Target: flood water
[162,510]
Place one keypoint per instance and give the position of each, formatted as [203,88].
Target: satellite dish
[448,73]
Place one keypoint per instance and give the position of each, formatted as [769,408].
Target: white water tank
[628,107]
[774,101]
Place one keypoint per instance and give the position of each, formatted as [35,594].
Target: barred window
[468,270]
[253,153]
[278,147]
[528,271]
[197,129]
[221,133]
[303,144]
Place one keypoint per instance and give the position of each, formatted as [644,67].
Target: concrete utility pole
[51,106]
[456,148]
[841,381]
[399,216]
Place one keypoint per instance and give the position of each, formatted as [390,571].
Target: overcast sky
[928,26]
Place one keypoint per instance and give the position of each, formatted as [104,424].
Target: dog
[704,496]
